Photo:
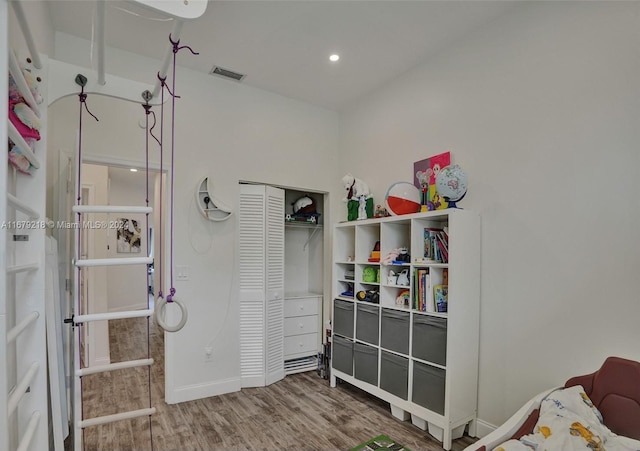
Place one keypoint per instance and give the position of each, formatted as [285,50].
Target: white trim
[204,390]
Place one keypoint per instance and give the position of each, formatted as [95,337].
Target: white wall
[229,132]
[541,109]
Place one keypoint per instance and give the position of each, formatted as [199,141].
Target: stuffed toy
[355,188]
[390,257]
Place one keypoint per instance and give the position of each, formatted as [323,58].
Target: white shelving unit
[23,348]
[425,364]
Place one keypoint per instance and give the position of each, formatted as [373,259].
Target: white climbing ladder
[23,349]
[81,319]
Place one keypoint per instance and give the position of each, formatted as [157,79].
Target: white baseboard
[205,390]
[484,428]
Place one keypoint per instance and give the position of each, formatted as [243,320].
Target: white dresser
[302,331]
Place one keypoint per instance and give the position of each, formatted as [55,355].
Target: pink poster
[424,178]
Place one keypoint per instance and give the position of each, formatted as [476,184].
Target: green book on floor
[381,442]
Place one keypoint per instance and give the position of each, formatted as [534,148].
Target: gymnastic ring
[159,315]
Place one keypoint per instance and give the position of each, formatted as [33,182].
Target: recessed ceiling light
[335,57]
[133,170]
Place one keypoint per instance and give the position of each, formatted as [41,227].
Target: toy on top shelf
[304,210]
[358,198]
[403,198]
[381,212]
[423,179]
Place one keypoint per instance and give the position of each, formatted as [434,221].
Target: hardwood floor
[301,412]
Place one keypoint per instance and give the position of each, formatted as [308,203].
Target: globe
[451,183]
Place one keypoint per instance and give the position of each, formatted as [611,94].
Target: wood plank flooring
[301,412]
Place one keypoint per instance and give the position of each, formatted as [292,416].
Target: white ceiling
[283,46]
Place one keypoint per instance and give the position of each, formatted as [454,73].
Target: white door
[261,251]
[274,270]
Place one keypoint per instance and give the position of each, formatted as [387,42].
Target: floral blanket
[570,422]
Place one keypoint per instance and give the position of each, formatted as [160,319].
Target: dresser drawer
[300,325]
[300,344]
[300,307]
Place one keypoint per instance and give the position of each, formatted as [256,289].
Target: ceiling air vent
[226,73]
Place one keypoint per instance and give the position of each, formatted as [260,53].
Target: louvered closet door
[252,252]
[261,251]
[274,311]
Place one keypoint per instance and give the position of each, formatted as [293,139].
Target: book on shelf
[440,295]
[423,293]
[436,245]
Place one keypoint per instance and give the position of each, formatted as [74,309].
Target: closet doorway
[283,245]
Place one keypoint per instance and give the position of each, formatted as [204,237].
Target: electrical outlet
[208,354]
[182,272]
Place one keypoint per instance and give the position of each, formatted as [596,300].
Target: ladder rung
[116,417]
[113,261]
[79,319]
[21,82]
[21,268]
[17,330]
[21,388]
[30,432]
[114,367]
[19,141]
[110,209]
[19,205]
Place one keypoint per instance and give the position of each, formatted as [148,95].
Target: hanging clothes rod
[175,35]
[26,31]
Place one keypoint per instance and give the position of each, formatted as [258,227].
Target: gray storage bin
[366,363]
[394,374]
[395,331]
[430,339]
[342,355]
[428,387]
[343,317]
[367,322]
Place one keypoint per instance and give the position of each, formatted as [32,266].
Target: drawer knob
[301,326]
[301,307]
